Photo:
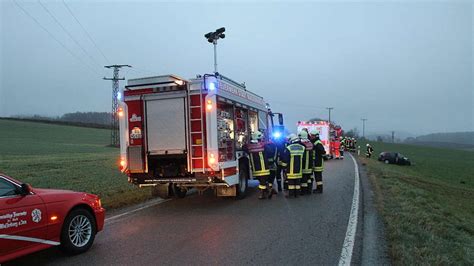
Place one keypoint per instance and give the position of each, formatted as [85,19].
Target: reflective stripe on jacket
[258,160]
[307,156]
[319,151]
[293,160]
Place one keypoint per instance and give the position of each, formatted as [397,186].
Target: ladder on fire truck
[196,129]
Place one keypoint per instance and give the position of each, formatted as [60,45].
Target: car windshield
[401,155]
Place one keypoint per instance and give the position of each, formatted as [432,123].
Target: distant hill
[454,140]
[84,119]
[455,137]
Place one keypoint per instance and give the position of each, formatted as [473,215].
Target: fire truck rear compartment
[166,126]
[168,166]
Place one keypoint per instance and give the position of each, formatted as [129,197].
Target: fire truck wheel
[161,190]
[243,181]
[78,232]
[179,192]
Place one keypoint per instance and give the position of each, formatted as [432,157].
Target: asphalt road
[308,230]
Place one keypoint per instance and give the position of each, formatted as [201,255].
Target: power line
[68,33]
[54,38]
[87,33]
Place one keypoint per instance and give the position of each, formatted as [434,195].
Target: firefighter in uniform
[369,151]
[307,179]
[342,147]
[271,152]
[292,160]
[281,145]
[318,168]
[259,161]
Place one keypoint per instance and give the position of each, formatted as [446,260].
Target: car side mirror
[25,189]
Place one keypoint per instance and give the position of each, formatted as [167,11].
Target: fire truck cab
[178,134]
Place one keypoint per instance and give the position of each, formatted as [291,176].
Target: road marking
[135,210]
[30,239]
[348,246]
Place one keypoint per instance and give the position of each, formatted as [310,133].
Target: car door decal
[30,239]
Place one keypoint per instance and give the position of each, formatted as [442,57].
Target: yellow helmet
[303,134]
[257,135]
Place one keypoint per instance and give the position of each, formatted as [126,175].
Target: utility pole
[212,37]
[329,109]
[114,134]
[363,127]
[393,136]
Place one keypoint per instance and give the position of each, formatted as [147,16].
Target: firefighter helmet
[303,134]
[292,137]
[257,135]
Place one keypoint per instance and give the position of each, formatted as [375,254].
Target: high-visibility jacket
[307,156]
[318,153]
[370,150]
[258,159]
[292,159]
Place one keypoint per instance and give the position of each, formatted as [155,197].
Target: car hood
[55,195]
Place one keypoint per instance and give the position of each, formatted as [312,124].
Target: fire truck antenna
[114,135]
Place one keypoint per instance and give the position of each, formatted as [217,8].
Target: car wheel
[387,161]
[243,181]
[179,192]
[78,232]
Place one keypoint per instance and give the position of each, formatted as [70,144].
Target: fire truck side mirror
[280,119]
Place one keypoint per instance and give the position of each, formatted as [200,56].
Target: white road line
[348,246]
[135,210]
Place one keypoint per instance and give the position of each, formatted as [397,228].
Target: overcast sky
[404,66]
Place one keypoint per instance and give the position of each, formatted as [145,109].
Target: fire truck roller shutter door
[166,128]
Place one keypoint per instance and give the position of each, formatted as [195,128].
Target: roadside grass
[66,157]
[428,208]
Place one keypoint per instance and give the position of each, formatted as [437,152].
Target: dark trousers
[294,186]
[309,182]
[262,182]
[318,178]
[271,178]
[342,153]
[278,176]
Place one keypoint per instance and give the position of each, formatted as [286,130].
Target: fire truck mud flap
[161,190]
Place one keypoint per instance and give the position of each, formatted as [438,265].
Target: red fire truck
[178,134]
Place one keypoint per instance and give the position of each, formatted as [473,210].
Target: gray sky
[405,66]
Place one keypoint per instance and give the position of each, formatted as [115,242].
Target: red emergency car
[32,219]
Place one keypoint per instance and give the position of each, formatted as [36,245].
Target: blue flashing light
[212,86]
[119,96]
[277,135]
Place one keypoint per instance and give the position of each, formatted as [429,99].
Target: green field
[428,208]
[66,157]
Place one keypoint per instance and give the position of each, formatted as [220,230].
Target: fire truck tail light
[209,105]
[120,112]
[123,163]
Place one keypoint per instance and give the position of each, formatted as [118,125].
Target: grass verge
[66,157]
[428,208]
